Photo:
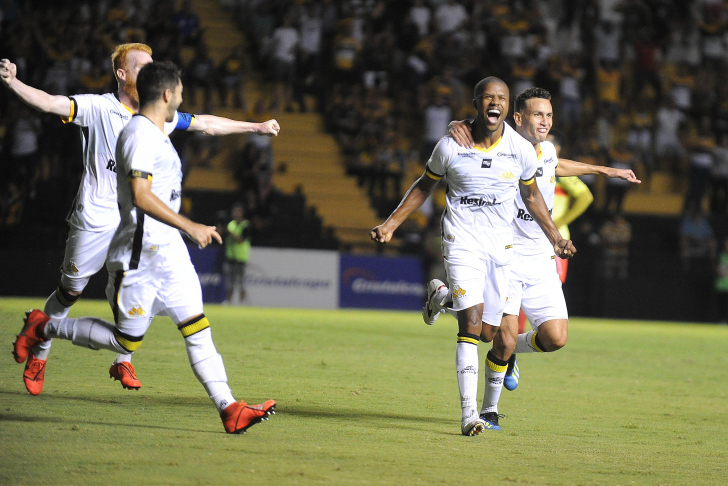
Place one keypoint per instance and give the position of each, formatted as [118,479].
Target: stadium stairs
[308,163]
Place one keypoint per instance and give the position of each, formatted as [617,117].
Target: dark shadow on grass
[133,394]
[5,417]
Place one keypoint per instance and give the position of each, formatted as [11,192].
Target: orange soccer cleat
[34,374]
[239,417]
[31,334]
[124,372]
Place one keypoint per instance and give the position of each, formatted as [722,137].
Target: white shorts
[164,284]
[535,287]
[85,256]
[474,281]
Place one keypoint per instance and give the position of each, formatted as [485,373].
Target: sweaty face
[133,63]
[536,120]
[493,104]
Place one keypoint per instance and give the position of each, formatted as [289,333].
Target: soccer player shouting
[477,233]
[95,215]
[535,285]
[150,272]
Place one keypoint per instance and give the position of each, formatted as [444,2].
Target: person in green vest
[237,252]
[721,284]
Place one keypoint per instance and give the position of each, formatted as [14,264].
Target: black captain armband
[139,174]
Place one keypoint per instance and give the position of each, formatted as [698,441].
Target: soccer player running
[94,216]
[150,272]
[535,285]
[477,234]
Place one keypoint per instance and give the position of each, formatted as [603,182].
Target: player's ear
[121,74]
[475,104]
[517,118]
[167,95]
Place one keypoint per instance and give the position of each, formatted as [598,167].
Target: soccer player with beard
[150,272]
[477,235]
[534,285]
[95,215]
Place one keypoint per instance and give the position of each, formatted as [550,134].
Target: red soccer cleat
[239,417]
[34,374]
[32,334]
[124,372]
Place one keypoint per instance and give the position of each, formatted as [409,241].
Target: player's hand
[564,248]
[381,234]
[460,131]
[8,71]
[203,235]
[627,175]
[271,128]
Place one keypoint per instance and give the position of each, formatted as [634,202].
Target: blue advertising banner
[208,264]
[377,282]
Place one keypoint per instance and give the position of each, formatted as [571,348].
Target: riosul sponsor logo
[506,155]
[364,281]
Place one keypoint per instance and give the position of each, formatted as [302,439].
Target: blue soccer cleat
[491,420]
[510,381]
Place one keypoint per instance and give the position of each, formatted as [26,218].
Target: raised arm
[217,125]
[144,200]
[536,207]
[35,98]
[415,197]
[567,168]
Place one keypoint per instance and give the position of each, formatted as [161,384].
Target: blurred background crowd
[635,83]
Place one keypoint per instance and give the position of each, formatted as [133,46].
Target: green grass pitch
[369,397]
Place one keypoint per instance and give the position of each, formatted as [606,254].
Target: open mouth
[493,115]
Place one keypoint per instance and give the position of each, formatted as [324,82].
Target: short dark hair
[154,78]
[480,87]
[520,103]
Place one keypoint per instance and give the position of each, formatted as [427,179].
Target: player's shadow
[391,420]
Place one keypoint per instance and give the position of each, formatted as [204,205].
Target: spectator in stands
[346,55]
[24,142]
[609,86]
[437,115]
[697,244]
[719,178]
[570,93]
[701,154]
[188,25]
[615,237]
[12,203]
[619,157]
[201,75]
[234,71]
[639,135]
[421,16]
[450,16]
[308,80]
[668,147]
[284,48]
[237,253]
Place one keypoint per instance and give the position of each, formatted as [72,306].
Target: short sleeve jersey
[101,118]
[528,236]
[145,151]
[482,186]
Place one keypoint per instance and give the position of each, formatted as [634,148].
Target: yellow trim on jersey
[140,174]
[72,115]
[495,367]
[539,153]
[432,175]
[128,109]
[528,182]
[192,121]
[486,150]
[194,327]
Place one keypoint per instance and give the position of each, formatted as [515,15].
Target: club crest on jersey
[539,172]
[136,311]
[458,292]
[507,176]
[71,267]
[486,164]
[553,178]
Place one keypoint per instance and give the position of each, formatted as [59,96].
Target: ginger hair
[118,58]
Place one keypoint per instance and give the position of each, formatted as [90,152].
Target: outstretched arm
[144,200]
[536,207]
[217,125]
[35,98]
[415,197]
[567,168]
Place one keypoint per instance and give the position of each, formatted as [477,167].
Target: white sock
[526,343]
[466,365]
[495,370]
[88,332]
[209,368]
[122,358]
[54,309]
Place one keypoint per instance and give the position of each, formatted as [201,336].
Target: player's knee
[487,333]
[554,340]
